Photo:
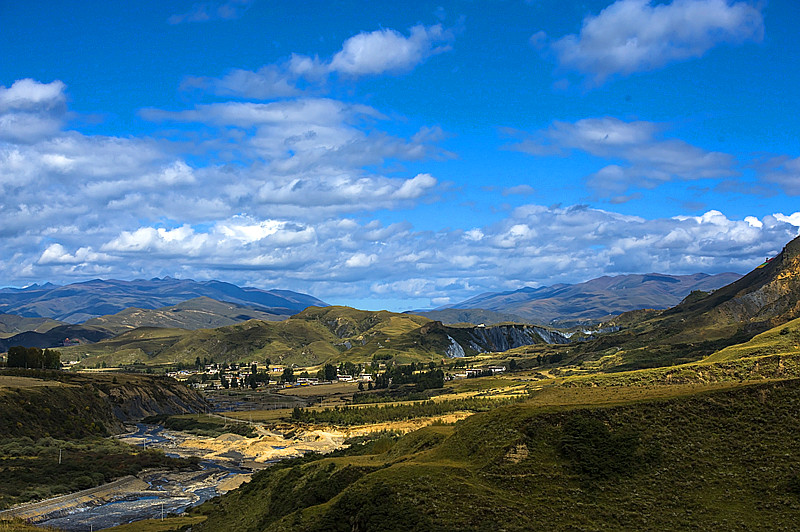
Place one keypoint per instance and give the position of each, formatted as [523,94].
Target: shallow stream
[168,492]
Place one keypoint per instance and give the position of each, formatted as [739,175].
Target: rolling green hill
[781,340]
[315,336]
[11,325]
[721,459]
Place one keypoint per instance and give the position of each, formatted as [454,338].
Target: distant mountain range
[79,302]
[197,313]
[566,305]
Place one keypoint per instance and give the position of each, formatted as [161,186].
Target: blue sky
[398,159]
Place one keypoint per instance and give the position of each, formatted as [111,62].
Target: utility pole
[59,457]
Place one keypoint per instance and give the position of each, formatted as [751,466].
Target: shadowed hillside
[724,459]
[11,324]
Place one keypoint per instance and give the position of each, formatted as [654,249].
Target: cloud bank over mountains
[272,179]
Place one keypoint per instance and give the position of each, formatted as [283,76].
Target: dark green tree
[288,375]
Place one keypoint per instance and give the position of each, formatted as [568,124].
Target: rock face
[505,337]
[454,350]
[69,405]
[498,338]
[766,297]
[132,402]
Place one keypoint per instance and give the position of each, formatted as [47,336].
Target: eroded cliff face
[60,404]
[775,299]
[470,340]
[505,337]
[135,401]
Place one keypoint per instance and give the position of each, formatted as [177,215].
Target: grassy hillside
[313,337]
[781,340]
[721,459]
[703,323]
[55,337]
[11,324]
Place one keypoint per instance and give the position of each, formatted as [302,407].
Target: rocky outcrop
[497,338]
[505,337]
[135,401]
[454,350]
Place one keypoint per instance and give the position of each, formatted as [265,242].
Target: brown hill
[704,322]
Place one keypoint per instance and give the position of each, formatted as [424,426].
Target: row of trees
[349,415]
[33,357]
[410,374]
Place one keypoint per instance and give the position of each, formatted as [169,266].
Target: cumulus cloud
[387,50]
[343,257]
[640,35]
[208,11]
[384,51]
[31,111]
[648,158]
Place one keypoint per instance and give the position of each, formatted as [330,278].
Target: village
[212,376]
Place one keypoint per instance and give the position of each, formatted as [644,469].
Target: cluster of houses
[214,376]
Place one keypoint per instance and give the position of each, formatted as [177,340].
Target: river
[149,496]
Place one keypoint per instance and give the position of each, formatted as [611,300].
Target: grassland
[669,457]
[18,525]
[170,524]
[781,340]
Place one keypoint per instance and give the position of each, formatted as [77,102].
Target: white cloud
[387,50]
[361,260]
[384,51]
[793,219]
[415,187]
[31,111]
[649,159]
[639,35]
[57,254]
[336,257]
